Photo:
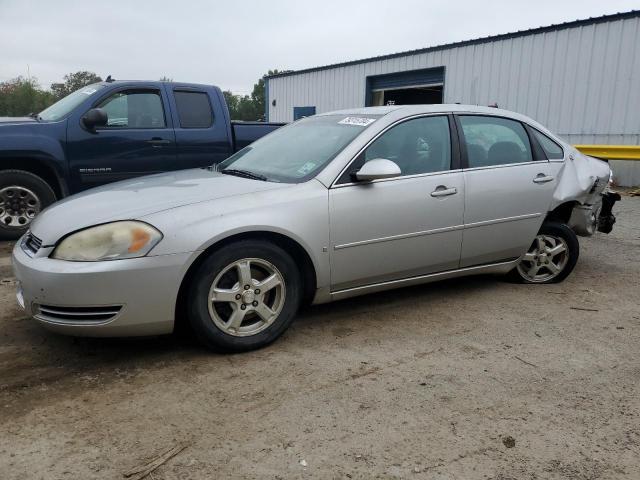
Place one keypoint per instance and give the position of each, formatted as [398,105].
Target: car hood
[132,199]
[15,120]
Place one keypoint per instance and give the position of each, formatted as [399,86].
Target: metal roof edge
[463,43]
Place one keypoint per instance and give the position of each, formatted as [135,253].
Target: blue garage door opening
[301,112]
[406,88]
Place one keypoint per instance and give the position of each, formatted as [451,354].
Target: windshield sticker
[306,168]
[89,91]
[358,121]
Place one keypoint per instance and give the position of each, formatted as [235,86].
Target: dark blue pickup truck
[112,131]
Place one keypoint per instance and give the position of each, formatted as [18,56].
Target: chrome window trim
[518,164]
[403,177]
[334,184]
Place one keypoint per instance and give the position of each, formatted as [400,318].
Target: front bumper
[100,299]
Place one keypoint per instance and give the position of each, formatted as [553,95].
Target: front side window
[421,145]
[551,148]
[134,109]
[494,141]
[300,150]
[194,109]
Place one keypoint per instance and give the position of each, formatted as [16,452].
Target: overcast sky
[232,43]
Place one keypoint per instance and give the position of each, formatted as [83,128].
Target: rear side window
[551,148]
[194,109]
[494,141]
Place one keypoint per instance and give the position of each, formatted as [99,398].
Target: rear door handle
[542,178]
[158,142]
[442,191]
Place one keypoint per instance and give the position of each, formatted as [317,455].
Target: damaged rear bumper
[606,219]
[586,219]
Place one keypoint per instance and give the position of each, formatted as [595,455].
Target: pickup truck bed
[245,133]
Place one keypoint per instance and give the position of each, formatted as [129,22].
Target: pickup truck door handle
[442,191]
[158,142]
[542,178]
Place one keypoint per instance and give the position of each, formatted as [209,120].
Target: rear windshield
[299,151]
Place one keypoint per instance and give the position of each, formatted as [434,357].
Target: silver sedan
[332,206]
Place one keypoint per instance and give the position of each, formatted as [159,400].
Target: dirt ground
[467,379]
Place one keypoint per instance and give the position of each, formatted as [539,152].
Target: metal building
[581,79]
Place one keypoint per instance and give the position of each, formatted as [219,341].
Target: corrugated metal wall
[582,82]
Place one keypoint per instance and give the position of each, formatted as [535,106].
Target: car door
[137,140]
[509,186]
[401,227]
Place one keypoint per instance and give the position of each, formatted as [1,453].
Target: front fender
[299,213]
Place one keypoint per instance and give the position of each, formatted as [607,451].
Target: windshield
[63,107]
[297,152]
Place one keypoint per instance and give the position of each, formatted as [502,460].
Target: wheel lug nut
[255,304]
[257,291]
[246,287]
[243,307]
[238,296]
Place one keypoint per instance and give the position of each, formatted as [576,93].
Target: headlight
[111,241]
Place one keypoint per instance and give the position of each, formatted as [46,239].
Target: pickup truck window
[134,109]
[194,109]
[297,152]
[65,106]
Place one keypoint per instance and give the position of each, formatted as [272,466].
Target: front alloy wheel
[246,297]
[243,296]
[551,257]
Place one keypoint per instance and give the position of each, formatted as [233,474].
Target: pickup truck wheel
[244,296]
[22,196]
[551,257]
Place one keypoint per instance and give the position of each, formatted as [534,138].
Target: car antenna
[109,79]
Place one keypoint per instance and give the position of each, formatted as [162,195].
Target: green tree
[21,96]
[249,107]
[73,82]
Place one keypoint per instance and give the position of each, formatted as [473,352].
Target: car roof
[428,108]
[399,111]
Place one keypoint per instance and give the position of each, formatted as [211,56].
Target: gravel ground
[473,378]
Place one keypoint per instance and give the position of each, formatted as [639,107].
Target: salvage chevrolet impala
[331,206]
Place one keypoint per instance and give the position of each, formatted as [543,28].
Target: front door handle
[542,178]
[442,191]
[158,142]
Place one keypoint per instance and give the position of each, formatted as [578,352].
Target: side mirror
[96,117]
[377,169]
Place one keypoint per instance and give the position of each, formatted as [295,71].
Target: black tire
[555,230]
[10,228]
[206,330]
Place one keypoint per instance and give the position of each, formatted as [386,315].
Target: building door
[412,87]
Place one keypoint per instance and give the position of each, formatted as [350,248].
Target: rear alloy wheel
[22,196]
[551,257]
[244,296]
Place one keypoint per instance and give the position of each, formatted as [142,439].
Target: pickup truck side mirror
[377,169]
[96,117]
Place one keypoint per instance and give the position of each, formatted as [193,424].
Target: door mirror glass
[378,169]
[96,117]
